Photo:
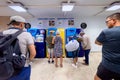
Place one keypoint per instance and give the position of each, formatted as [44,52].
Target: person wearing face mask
[109,68]
[26,44]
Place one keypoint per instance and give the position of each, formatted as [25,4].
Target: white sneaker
[75,66]
[76,63]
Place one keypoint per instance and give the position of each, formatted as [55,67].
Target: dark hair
[115,16]
[14,23]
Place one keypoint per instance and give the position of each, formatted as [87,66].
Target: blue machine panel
[81,52]
[71,32]
[39,36]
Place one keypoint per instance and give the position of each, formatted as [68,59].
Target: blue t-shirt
[110,38]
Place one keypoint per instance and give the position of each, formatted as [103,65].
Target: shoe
[48,61]
[76,63]
[75,66]
[61,65]
[52,61]
[85,64]
[84,60]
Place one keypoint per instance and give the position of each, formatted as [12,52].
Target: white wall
[94,26]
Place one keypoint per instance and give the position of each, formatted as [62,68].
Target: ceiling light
[67,6]
[17,7]
[113,6]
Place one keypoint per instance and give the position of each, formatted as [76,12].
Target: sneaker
[52,61]
[48,61]
[76,63]
[75,66]
[84,60]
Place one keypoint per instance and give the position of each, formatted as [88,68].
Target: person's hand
[80,39]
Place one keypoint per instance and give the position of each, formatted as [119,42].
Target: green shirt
[49,41]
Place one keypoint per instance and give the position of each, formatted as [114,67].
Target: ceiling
[52,8]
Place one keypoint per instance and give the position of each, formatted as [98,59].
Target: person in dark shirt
[109,68]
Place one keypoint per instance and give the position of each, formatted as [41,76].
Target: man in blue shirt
[109,68]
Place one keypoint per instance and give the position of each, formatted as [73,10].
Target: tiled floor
[41,70]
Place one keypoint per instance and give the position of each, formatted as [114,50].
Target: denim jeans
[87,56]
[23,75]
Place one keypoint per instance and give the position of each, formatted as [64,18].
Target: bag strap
[17,33]
[14,36]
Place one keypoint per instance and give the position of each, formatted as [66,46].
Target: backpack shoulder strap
[17,33]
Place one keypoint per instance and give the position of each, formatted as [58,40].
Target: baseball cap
[17,19]
[51,31]
[57,32]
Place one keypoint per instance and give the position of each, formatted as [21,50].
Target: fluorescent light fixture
[18,7]
[113,7]
[67,6]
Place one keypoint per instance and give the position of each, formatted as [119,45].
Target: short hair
[115,16]
[14,23]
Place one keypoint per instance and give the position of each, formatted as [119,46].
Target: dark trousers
[87,56]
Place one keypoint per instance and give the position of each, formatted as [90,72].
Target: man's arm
[32,50]
[97,42]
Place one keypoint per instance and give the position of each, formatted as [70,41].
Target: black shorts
[75,53]
[106,74]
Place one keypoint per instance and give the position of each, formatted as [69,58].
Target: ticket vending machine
[40,44]
[70,32]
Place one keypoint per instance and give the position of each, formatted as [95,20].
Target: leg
[77,55]
[52,55]
[87,56]
[74,57]
[61,61]
[48,55]
[56,61]
[74,61]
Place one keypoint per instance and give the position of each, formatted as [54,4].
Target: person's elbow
[97,42]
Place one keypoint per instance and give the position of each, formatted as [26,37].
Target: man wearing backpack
[26,44]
